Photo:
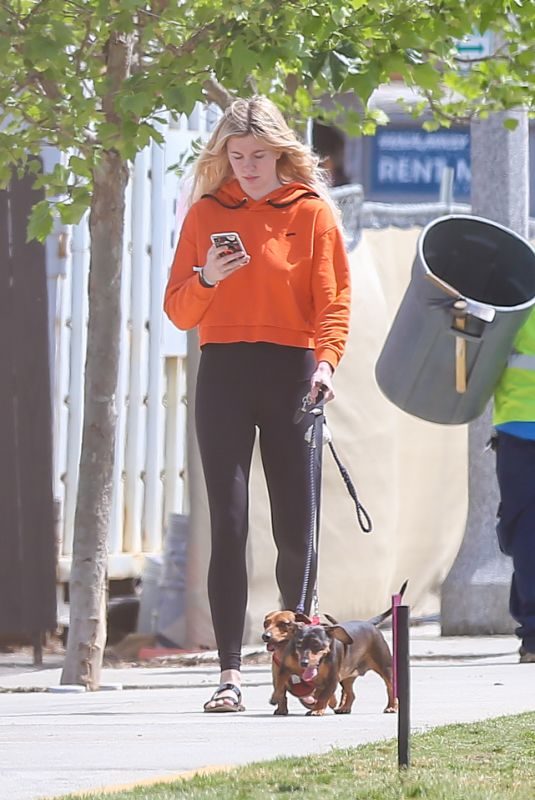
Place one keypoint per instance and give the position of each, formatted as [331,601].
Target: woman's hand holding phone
[219,266]
[220,263]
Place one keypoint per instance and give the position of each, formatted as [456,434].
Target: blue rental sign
[409,161]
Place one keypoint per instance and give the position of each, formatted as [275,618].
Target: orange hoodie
[294,291]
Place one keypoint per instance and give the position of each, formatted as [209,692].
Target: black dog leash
[308,407]
[314,438]
[315,441]
[363,517]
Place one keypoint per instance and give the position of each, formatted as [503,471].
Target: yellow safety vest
[514,396]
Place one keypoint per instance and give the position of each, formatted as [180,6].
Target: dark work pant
[241,387]
[515,469]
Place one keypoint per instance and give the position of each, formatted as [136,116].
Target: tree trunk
[88,584]
[87,628]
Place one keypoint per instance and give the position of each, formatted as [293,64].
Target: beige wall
[410,475]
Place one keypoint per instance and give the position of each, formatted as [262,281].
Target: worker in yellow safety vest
[514,420]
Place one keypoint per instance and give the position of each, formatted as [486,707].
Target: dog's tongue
[309,673]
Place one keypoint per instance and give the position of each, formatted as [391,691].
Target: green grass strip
[489,760]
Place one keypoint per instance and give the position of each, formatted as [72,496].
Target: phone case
[229,240]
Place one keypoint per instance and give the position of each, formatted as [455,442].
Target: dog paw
[280,712]
[390,710]
[319,712]
[342,710]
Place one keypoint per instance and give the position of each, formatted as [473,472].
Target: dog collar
[297,686]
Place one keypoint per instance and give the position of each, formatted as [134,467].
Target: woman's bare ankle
[230,676]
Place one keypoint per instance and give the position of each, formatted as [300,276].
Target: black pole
[403,685]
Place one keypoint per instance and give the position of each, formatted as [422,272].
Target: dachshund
[279,628]
[325,656]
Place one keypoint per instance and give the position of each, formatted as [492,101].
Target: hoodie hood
[231,195]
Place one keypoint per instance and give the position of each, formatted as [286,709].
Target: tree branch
[80,52]
[119,51]
[498,55]
[439,113]
[49,88]
[216,93]
[194,41]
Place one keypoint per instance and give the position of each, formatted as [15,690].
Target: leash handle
[363,517]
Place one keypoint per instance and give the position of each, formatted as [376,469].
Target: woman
[273,322]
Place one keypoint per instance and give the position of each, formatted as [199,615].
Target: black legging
[242,386]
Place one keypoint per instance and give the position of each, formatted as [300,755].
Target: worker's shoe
[526,657]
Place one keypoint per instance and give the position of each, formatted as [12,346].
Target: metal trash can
[472,286]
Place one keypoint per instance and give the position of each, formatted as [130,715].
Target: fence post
[402,673]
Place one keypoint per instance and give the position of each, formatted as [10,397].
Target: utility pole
[475,594]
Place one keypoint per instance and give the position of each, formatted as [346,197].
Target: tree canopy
[58,85]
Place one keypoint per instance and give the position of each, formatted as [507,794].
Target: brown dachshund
[279,627]
[325,656]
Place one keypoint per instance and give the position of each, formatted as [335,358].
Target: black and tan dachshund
[325,656]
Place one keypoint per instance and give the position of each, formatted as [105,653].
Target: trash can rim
[473,218]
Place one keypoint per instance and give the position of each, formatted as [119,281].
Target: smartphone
[230,241]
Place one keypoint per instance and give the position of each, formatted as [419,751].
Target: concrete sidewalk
[148,723]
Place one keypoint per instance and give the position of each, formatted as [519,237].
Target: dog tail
[381,617]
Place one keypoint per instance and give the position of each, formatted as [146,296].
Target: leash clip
[306,402]
[309,406]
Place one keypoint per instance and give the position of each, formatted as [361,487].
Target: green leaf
[109,134]
[242,57]
[81,195]
[338,64]
[140,104]
[181,99]
[380,116]
[510,123]
[426,76]
[71,213]
[80,166]
[40,222]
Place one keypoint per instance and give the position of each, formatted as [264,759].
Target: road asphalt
[146,724]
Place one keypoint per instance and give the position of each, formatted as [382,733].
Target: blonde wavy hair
[261,118]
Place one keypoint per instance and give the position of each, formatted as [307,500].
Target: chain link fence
[358,213]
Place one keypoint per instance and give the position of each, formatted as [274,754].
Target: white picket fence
[150,448]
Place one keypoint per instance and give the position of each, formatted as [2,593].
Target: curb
[147,782]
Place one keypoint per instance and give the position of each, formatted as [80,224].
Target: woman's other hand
[220,265]
[322,380]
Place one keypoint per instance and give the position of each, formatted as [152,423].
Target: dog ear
[302,618]
[268,618]
[337,632]
[294,627]
[332,620]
